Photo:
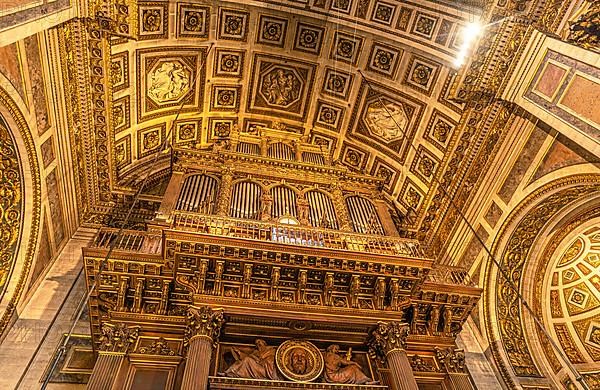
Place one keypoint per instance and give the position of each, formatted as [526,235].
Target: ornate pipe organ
[268,266]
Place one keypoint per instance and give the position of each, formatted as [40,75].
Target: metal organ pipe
[248,148]
[322,210]
[281,151]
[245,200]
[198,194]
[313,158]
[363,215]
[284,202]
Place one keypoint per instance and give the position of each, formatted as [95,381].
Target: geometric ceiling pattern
[369,80]
[572,298]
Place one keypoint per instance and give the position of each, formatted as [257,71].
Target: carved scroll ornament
[585,31]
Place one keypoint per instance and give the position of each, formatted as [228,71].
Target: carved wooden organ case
[280,256]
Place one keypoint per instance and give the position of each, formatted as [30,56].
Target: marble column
[389,340]
[112,355]
[203,329]
[224,196]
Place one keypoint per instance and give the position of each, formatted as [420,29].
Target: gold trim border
[25,133]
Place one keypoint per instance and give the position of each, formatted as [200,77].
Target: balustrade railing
[445,274]
[295,235]
[128,241]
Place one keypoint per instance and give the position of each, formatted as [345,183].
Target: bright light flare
[469,34]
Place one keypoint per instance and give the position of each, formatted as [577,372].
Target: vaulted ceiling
[368,79]
[372,80]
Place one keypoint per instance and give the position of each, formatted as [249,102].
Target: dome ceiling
[572,298]
[365,78]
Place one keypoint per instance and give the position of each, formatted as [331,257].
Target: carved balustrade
[128,241]
[295,235]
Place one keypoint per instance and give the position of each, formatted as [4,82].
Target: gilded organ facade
[299,258]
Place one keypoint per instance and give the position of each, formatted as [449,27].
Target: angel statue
[259,364]
[341,370]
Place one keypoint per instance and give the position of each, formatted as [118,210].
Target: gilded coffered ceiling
[368,79]
[373,81]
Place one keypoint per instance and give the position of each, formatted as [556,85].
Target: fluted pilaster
[115,342]
[197,363]
[401,370]
[461,381]
[106,369]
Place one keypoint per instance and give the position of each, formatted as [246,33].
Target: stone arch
[12,118]
[519,247]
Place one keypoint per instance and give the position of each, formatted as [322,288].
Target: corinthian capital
[204,321]
[387,337]
[118,338]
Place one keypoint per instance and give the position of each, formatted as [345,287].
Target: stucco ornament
[386,120]
[168,82]
[280,87]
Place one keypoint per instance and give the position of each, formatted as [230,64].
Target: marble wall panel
[40,103]
[55,204]
[10,67]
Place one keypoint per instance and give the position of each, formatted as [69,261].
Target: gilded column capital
[204,322]
[388,337]
[452,360]
[117,338]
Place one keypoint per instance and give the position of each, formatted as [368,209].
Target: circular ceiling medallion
[299,361]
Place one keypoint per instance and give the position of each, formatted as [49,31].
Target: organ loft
[270,266]
[299,194]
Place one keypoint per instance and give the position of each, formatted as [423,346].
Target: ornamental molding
[512,245]
[28,252]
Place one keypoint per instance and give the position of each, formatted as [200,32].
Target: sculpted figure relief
[280,87]
[259,364]
[386,121]
[266,204]
[168,82]
[340,370]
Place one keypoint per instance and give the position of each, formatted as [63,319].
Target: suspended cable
[503,272]
[84,301]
